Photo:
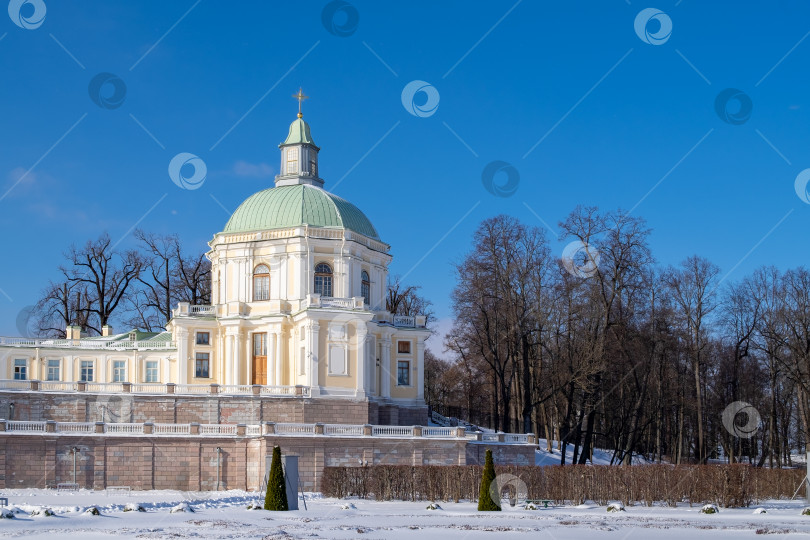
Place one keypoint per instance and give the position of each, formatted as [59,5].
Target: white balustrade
[112,388]
[148,388]
[295,429]
[235,389]
[343,429]
[95,344]
[75,427]
[9,384]
[392,431]
[58,386]
[16,425]
[280,429]
[192,389]
[402,320]
[443,432]
[340,303]
[171,429]
[217,429]
[202,310]
[281,390]
[124,428]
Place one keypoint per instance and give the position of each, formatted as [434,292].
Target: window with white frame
[203,338]
[53,369]
[119,370]
[323,279]
[403,373]
[86,370]
[202,365]
[20,369]
[292,160]
[261,282]
[152,371]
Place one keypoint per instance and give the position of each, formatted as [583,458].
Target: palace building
[299,282]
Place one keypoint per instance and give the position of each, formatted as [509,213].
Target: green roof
[291,206]
[299,133]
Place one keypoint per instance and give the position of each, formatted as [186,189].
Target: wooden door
[259,358]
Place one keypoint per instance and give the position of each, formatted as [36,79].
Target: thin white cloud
[252,170]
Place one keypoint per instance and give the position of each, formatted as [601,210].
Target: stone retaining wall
[205,409]
[189,463]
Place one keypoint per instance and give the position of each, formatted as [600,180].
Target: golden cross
[300,97]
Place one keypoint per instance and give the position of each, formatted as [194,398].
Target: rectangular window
[292,160]
[323,285]
[261,287]
[86,371]
[403,373]
[20,369]
[404,347]
[201,365]
[152,371]
[119,370]
[53,370]
[203,338]
[260,344]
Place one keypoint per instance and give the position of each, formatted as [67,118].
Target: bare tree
[105,274]
[693,287]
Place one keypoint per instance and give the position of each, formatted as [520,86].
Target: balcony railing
[155,388]
[9,427]
[94,344]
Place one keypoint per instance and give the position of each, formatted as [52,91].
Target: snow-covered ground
[224,515]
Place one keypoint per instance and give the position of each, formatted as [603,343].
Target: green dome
[292,206]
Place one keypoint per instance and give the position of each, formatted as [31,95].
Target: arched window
[365,287]
[261,283]
[323,279]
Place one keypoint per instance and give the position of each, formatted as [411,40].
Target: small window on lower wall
[152,371]
[404,347]
[201,366]
[20,369]
[403,373]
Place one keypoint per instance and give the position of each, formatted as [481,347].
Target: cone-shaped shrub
[276,497]
[485,502]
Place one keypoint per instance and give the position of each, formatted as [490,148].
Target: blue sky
[616,117]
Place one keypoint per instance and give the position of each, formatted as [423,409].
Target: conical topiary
[276,497]
[485,502]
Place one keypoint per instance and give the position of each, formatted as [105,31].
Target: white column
[4,374]
[270,344]
[385,367]
[228,363]
[102,368]
[238,346]
[361,358]
[420,369]
[224,276]
[67,366]
[280,359]
[181,335]
[313,356]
